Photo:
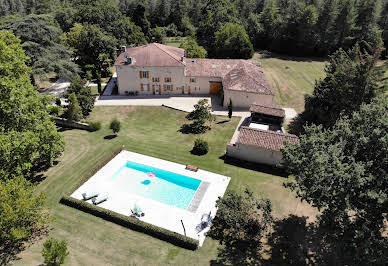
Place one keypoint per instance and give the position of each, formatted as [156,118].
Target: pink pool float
[151,174]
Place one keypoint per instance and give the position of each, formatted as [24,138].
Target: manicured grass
[152,131]
[291,77]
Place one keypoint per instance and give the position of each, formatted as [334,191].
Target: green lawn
[173,41]
[291,77]
[152,131]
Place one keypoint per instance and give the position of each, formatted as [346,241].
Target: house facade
[157,69]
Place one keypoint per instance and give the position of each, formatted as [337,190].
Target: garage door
[215,87]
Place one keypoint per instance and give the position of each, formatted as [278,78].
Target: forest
[91,31]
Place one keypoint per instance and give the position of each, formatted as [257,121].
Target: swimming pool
[156,184]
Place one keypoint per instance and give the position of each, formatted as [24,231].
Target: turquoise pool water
[156,184]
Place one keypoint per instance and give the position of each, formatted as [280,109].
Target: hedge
[132,223]
[126,221]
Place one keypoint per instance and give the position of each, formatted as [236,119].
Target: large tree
[232,41]
[343,172]
[351,80]
[241,223]
[28,138]
[192,48]
[39,35]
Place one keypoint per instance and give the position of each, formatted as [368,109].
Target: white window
[168,87]
[144,74]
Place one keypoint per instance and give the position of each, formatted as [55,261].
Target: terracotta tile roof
[272,110]
[199,67]
[247,76]
[153,54]
[265,139]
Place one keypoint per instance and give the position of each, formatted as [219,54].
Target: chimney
[123,48]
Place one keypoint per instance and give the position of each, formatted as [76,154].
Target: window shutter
[164,87]
[140,74]
[148,74]
[141,87]
[148,87]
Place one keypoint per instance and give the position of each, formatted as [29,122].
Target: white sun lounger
[99,199]
[88,196]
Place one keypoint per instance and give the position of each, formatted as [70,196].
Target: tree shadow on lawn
[63,129]
[267,169]
[9,251]
[222,122]
[108,137]
[190,129]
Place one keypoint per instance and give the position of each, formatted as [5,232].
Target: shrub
[115,125]
[94,126]
[54,110]
[54,252]
[201,147]
[132,223]
[58,102]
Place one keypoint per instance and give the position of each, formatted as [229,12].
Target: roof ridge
[270,132]
[167,52]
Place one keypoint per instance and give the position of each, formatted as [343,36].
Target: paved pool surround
[157,213]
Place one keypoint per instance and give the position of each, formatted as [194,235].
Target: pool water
[156,184]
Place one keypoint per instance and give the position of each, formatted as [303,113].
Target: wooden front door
[160,89]
[215,87]
[183,89]
[189,90]
[153,89]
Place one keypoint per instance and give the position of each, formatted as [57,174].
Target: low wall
[71,124]
[254,154]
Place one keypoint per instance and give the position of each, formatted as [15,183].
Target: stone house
[157,69]
[263,138]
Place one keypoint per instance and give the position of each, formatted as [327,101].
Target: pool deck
[157,213]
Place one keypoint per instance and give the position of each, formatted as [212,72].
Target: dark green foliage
[29,140]
[343,171]
[39,35]
[201,147]
[73,111]
[157,35]
[231,41]
[22,211]
[115,125]
[54,110]
[128,33]
[351,80]
[192,48]
[94,126]
[230,109]
[54,252]
[58,102]
[83,94]
[132,223]
[241,223]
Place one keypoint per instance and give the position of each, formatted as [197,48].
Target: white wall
[254,154]
[128,80]
[243,99]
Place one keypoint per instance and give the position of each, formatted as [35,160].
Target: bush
[94,126]
[132,223]
[201,147]
[58,102]
[54,252]
[54,110]
[115,125]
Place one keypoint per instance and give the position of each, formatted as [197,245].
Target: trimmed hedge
[126,221]
[132,223]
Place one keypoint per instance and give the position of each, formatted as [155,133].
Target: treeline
[297,27]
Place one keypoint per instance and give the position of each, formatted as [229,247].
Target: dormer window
[193,80]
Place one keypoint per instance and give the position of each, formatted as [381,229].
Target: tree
[115,125]
[200,115]
[129,33]
[29,140]
[39,35]
[351,80]
[230,109]
[242,221]
[158,34]
[384,26]
[73,111]
[232,41]
[140,19]
[22,211]
[54,252]
[83,94]
[343,172]
[215,14]
[201,147]
[345,24]
[187,28]
[192,48]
